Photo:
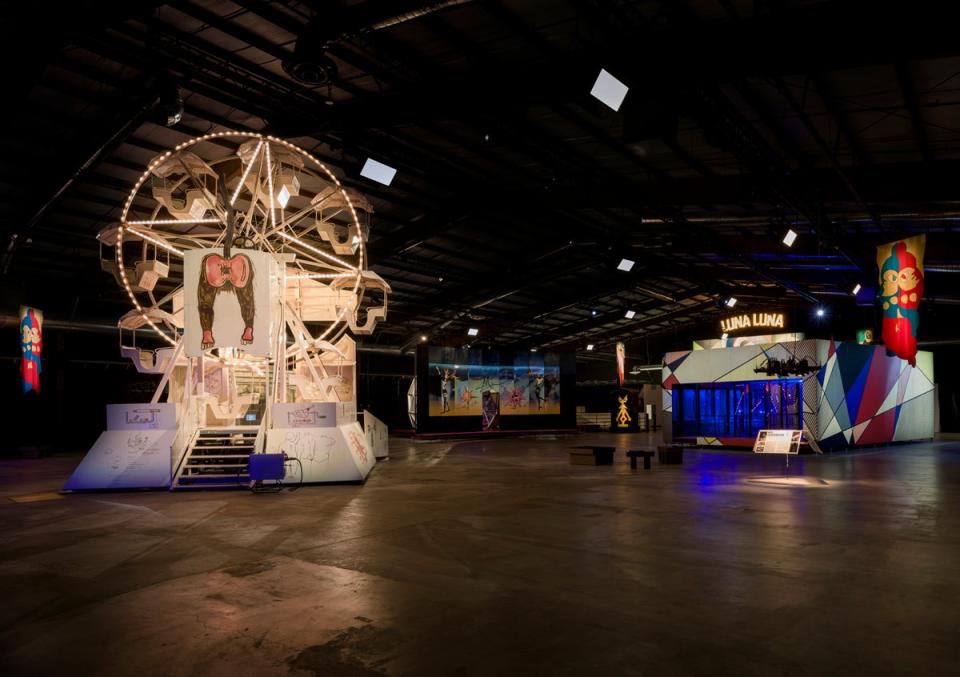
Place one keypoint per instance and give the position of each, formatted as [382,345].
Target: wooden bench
[670,454]
[634,453]
[592,455]
[587,419]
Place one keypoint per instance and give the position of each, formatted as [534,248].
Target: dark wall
[946,371]
[80,374]
[384,380]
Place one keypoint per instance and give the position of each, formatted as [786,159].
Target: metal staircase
[217,458]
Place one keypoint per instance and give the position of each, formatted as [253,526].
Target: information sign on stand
[778,442]
[785,442]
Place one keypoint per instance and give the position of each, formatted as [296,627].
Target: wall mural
[901,290]
[463,383]
[859,395]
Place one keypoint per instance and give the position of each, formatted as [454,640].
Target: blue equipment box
[266,467]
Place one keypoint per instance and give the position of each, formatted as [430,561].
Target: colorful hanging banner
[901,290]
[621,361]
[31,347]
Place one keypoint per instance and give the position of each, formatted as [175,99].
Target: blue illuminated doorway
[736,410]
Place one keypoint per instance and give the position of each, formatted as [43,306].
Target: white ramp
[134,453]
[125,459]
[330,454]
[377,435]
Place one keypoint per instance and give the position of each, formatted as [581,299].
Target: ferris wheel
[235,196]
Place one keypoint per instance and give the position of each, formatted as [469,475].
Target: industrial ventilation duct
[310,64]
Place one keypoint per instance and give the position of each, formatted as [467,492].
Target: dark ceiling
[517,193]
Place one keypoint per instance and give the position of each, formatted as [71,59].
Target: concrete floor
[495,558]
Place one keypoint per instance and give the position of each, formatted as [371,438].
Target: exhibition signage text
[778,442]
[748,321]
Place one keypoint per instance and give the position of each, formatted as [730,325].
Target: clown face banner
[901,290]
[621,360]
[31,347]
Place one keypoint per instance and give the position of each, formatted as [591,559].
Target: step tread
[204,456]
[217,465]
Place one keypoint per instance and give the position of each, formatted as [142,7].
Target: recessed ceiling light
[789,238]
[377,171]
[594,312]
[626,265]
[820,312]
[472,331]
[589,346]
[856,290]
[630,314]
[423,338]
[609,90]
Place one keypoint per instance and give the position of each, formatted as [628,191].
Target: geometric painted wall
[859,396]
[868,397]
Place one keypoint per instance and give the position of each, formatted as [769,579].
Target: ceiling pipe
[310,63]
[412,14]
[852,217]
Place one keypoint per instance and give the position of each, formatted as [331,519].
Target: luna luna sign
[745,321]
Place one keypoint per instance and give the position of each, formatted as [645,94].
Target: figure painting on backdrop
[537,382]
[446,380]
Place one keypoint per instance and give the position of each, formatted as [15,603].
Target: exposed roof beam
[908,91]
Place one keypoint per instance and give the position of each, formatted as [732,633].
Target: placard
[159,416]
[778,442]
[305,415]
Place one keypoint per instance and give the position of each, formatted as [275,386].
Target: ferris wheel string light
[318,252]
[282,228]
[246,172]
[149,238]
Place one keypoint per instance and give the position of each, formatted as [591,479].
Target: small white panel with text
[778,442]
[305,415]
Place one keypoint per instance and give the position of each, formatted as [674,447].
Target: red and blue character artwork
[901,290]
[31,348]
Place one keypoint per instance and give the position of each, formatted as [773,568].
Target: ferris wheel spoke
[271,198]
[319,252]
[154,237]
[246,172]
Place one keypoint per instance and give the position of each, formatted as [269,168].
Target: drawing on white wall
[308,447]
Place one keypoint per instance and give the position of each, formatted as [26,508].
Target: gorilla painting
[217,274]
